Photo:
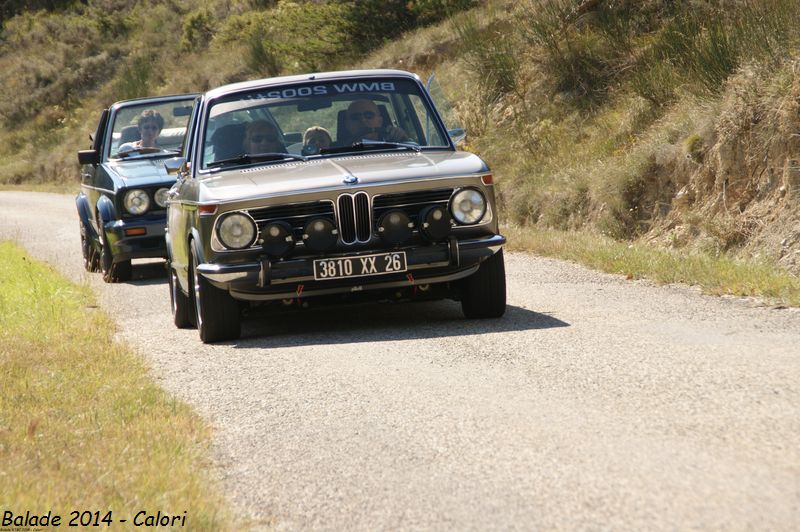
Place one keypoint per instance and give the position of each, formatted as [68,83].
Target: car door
[183,191]
[90,172]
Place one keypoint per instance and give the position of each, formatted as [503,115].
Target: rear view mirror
[185,110]
[89,157]
[175,165]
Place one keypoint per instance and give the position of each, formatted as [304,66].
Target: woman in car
[150,124]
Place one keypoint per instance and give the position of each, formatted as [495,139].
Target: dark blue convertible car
[124,186]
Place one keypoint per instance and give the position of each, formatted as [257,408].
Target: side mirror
[458,135]
[89,157]
[175,165]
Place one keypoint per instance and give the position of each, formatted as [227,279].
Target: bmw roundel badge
[350,180]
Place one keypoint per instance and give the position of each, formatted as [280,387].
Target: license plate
[344,267]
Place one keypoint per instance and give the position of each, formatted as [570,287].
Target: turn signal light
[487,179]
[135,231]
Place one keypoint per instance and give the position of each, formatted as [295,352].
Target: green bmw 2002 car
[336,185]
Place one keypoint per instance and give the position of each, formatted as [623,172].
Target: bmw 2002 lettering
[124,185]
[334,185]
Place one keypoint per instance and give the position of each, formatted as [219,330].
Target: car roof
[317,76]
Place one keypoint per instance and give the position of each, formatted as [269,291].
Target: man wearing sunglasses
[364,121]
[150,124]
[261,136]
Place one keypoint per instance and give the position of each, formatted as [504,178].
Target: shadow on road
[148,273]
[379,322]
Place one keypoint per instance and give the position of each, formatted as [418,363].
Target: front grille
[355,222]
[410,202]
[297,215]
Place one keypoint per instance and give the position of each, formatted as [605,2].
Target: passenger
[364,121]
[261,136]
[315,139]
[150,124]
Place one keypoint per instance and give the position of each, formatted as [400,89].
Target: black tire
[216,312]
[484,292]
[90,261]
[179,302]
[113,272]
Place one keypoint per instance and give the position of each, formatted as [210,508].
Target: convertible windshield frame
[293,107]
[180,100]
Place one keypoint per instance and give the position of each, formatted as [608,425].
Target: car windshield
[149,129]
[320,119]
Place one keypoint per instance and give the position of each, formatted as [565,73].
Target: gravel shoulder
[595,402]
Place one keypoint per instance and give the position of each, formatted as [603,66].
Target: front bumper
[265,279]
[149,245]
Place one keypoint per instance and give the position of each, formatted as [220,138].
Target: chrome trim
[356,288]
[356,219]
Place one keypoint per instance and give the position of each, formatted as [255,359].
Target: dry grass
[714,274]
[82,426]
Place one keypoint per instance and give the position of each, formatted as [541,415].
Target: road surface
[594,403]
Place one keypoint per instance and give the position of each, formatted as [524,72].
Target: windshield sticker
[336,88]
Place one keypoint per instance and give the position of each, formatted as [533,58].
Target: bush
[491,55]
[198,29]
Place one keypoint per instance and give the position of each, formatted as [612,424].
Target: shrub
[490,54]
[198,28]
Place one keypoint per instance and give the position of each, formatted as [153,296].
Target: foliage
[73,401]
[489,52]
[715,274]
[198,29]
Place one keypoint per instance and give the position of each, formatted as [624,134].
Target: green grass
[82,426]
[714,274]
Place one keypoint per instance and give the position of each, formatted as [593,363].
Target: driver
[150,124]
[364,121]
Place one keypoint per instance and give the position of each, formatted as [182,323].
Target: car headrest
[227,141]
[129,134]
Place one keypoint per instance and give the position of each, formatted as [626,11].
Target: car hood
[321,174]
[139,172]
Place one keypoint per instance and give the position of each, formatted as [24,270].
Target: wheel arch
[105,210]
[82,204]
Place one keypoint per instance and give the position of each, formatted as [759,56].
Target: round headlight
[236,230]
[468,206]
[161,197]
[136,201]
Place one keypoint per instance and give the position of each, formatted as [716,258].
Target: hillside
[674,123]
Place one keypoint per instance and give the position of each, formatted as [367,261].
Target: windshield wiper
[367,144]
[246,158]
[139,152]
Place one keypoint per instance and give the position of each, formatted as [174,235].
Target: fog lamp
[394,227]
[320,234]
[434,223]
[277,238]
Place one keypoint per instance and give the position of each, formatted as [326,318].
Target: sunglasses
[151,126]
[258,139]
[366,115]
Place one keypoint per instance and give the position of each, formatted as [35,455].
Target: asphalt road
[595,403]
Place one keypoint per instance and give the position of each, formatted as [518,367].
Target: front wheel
[216,312]
[484,292]
[113,272]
